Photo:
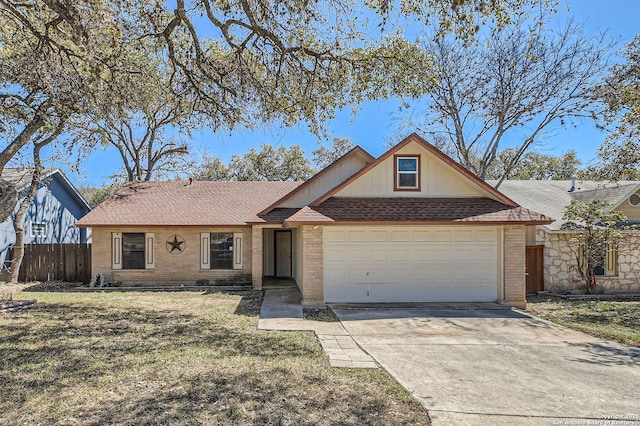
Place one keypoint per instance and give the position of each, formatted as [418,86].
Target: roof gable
[327,178]
[440,176]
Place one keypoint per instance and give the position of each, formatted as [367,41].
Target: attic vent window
[407,172]
[38,229]
[634,200]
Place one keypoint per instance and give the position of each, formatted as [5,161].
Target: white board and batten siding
[412,264]
[437,179]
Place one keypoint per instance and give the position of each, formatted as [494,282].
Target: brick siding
[170,268]
[312,287]
[515,287]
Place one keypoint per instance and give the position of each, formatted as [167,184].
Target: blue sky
[376,122]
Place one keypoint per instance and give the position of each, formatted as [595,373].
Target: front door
[283,254]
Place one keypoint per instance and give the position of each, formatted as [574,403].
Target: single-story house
[620,268]
[52,215]
[410,226]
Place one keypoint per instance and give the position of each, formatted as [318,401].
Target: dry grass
[618,321]
[178,358]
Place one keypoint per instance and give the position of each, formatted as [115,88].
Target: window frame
[397,172]
[609,267]
[143,251]
[117,251]
[205,250]
[211,251]
[41,234]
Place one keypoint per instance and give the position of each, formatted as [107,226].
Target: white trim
[205,250]
[638,198]
[500,262]
[116,250]
[149,255]
[415,172]
[237,250]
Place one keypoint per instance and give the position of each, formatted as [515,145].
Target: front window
[133,251]
[607,264]
[407,173]
[221,250]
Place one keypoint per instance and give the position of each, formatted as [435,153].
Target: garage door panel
[411,264]
[399,255]
[442,236]
[464,236]
[356,236]
[484,235]
[421,236]
[378,236]
[354,255]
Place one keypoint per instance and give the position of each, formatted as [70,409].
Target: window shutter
[205,250]
[149,255]
[611,262]
[116,250]
[237,250]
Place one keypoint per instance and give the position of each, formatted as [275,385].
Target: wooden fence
[65,262]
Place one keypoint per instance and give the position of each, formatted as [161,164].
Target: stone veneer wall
[560,266]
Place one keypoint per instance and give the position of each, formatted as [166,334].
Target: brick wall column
[514,264]
[256,257]
[312,265]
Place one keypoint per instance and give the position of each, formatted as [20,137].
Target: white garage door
[411,264]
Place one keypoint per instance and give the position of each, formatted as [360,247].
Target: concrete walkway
[281,310]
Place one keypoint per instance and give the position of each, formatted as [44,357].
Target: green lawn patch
[618,321]
[178,358]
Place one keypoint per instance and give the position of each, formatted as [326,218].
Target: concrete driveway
[500,366]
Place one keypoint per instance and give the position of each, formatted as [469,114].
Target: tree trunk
[36,178]
[18,247]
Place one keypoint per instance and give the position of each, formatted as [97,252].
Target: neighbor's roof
[408,211]
[203,203]
[550,197]
[21,178]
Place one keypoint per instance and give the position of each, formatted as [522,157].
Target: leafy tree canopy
[267,163]
[535,166]
[323,156]
[618,158]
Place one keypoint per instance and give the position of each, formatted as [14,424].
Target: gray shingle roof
[550,197]
[21,178]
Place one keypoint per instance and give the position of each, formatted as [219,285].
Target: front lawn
[618,321]
[178,358]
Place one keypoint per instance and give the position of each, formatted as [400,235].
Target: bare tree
[515,83]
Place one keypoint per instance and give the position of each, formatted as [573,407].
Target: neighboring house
[409,226]
[621,266]
[52,215]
